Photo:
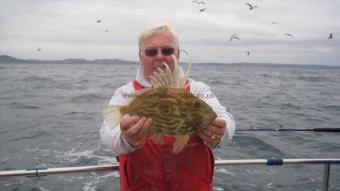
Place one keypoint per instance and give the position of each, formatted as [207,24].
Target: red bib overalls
[155,168]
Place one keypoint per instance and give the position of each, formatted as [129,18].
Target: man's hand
[213,133]
[135,129]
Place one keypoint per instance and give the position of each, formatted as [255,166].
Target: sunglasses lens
[167,51]
[151,52]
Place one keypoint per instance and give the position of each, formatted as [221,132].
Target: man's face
[163,43]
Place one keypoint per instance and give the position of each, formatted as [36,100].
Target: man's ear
[140,57]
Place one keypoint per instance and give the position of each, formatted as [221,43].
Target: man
[148,166]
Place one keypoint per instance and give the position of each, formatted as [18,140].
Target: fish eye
[165,109]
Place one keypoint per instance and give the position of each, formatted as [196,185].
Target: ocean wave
[38,79]
[87,157]
[256,147]
[68,86]
[18,105]
[332,107]
[33,135]
[76,113]
[89,97]
[313,78]
[289,106]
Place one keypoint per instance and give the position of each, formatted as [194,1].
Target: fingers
[135,129]
[219,122]
[127,120]
[211,141]
[213,133]
[141,136]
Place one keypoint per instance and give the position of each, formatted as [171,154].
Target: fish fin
[168,78]
[180,143]
[112,115]
[157,138]
[162,78]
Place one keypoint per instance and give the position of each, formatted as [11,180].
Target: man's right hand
[135,129]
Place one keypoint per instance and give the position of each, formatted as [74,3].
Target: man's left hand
[214,132]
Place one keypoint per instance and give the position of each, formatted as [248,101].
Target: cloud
[66,29]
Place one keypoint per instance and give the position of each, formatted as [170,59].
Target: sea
[50,116]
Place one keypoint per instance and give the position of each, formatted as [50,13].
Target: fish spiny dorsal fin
[163,77]
[186,77]
[168,78]
[112,115]
[176,73]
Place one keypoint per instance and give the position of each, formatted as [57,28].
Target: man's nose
[159,55]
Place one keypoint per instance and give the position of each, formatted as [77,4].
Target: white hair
[155,30]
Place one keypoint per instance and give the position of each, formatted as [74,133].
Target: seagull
[330,36]
[39,49]
[248,53]
[198,2]
[98,21]
[290,35]
[106,30]
[251,7]
[201,10]
[274,22]
[234,36]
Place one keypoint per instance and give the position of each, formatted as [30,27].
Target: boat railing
[43,171]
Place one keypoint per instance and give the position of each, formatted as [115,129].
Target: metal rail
[42,171]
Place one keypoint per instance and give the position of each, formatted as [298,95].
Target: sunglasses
[166,51]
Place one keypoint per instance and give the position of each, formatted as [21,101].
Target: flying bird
[203,9]
[290,35]
[251,7]
[274,22]
[234,36]
[198,2]
[330,36]
[248,53]
[98,21]
[106,30]
[39,49]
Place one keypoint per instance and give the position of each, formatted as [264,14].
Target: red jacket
[155,168]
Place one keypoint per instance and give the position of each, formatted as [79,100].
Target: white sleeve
[111,137]
[203,92]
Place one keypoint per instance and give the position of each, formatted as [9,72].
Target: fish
[174,111]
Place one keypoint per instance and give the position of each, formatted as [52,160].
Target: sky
[69,29]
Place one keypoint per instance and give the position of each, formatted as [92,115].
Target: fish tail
[180,143]
[112,115]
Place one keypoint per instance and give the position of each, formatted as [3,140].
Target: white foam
[224,171]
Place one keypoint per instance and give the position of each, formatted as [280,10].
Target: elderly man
[145,165]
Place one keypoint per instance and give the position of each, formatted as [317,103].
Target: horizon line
[132,61]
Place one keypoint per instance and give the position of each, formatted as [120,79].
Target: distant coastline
[5,59]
